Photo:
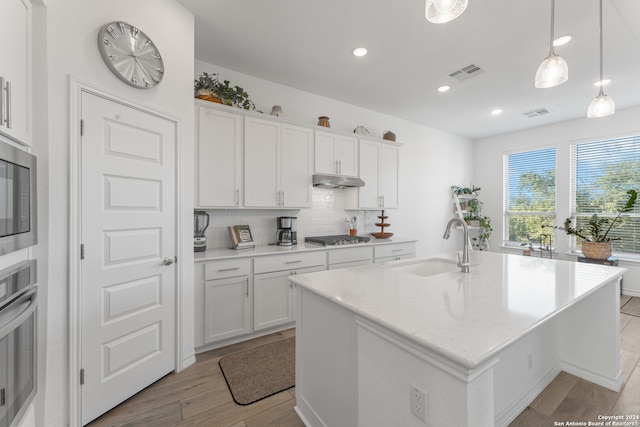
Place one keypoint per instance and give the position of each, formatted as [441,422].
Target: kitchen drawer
[350,264]
[227,268]
[288,262]
[394,250]
[350,254]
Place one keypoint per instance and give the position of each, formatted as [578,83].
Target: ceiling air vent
[536,112]
[466,73]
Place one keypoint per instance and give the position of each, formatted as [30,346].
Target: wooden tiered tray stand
[382,224]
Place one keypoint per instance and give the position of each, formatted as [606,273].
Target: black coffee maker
[286,235]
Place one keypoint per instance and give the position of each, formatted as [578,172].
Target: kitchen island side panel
[326,354]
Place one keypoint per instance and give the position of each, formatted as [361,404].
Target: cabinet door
[261,163]
[389,158]
[15,68]
[296,146]
[227,308]
[347,155]
[325,161]
[369,195]
[272,299]
[219,158]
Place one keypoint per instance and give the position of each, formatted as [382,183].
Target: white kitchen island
[479,346]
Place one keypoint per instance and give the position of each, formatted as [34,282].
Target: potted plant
[597,243]
[474,218]
[209,87]
[205,87]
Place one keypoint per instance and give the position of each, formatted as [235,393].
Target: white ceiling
[307,44]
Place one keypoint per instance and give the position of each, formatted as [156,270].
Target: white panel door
[128,232]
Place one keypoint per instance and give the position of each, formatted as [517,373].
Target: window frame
[573,189]
[506,212]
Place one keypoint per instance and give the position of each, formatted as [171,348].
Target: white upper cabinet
[219,151]
[379,171]
[296,167]
[277,168]
[336,154]
[15,70]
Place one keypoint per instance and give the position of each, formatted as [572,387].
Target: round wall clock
[130,55]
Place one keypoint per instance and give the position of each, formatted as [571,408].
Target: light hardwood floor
[198,396]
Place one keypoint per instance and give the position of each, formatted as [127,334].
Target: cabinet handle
[293,262]
[9,104]
[339,166]
[2,101]
[246,287]
[383,200]
[397,250]
[237,197]
[229,269]
[336,167]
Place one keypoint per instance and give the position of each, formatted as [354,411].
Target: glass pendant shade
[601,106]
[552,72]
[441,11]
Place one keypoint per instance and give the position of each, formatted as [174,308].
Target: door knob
[169,260]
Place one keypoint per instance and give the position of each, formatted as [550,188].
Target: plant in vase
[209,87]
[475,218]
[596,240]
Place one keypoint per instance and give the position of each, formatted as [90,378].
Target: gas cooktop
[342,239]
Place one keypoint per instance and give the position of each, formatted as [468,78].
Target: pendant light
[441,11]
[602,105]
[554,70]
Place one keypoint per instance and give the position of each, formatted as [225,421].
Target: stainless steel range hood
[332,181]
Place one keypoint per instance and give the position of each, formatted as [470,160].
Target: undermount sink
[428,267]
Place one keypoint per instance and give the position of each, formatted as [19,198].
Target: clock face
[130,55]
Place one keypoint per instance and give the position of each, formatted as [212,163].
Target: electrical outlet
[418,402]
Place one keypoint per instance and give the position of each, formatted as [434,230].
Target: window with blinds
[601,174]
[530,196]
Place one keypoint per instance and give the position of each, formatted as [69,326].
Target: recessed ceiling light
[562,40]
[444,88]
[359,51]
[603,83]
[496,112]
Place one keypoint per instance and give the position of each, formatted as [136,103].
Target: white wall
[431,162]
[488,170]
[66,38]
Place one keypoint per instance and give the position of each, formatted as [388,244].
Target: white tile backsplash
[325,217]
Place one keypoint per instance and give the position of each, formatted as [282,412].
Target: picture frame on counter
[241,237]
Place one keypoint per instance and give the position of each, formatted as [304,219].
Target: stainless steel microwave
[18,213]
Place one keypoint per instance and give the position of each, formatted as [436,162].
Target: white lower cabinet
[228,308]
[227,299]
[273,297]
[238,299]
[394,251]
[350,257]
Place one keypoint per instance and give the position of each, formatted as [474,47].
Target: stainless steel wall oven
[18,219]
[18,335]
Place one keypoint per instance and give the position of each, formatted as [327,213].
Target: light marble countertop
[220,254]
[467,318]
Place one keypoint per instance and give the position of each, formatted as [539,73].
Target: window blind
[601,174]
[530,194]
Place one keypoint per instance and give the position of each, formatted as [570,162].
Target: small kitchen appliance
[342,239]
[286,235]
[200,224]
